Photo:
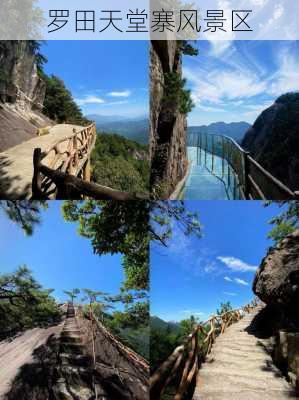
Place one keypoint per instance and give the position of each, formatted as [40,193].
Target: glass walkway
[210,178]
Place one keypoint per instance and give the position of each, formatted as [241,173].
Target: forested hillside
[120,163]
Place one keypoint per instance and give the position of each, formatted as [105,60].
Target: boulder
[277,280]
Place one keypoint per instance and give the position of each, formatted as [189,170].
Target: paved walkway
[240,368]
[16,164]
[14,354]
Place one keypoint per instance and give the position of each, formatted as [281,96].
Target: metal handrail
[254,182]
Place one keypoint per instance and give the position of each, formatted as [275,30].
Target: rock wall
[20,83]
[168,127]
[273,140]
[277,284]
[277,280]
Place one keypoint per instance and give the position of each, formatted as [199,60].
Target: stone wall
[168,126]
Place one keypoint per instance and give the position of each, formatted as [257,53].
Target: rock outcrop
[277,284]
[20,83]
[22,94]
[168,125]
[273,140]
[277,280]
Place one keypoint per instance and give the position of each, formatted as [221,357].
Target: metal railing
[242,176]
[183,363]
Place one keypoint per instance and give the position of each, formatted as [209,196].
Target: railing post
[206,149]
[37,179]
[246,174]
[86,171]
[200,145]
[213,153]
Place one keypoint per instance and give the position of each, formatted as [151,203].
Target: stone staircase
[75,374]
[240,367]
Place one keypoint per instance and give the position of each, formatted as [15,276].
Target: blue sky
[193,276]
[105,77]
[234,81]
[59,258]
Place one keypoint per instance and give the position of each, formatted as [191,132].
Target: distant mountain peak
[235,130]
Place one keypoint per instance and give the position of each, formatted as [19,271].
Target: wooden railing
[184,362]
[242,176]
[63,171]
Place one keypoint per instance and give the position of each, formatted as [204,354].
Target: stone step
[72,339]
[256,352]
[226,382]
[249,365]
[239,370]
[75,359]
[228,357]
[257,346]
[75,348]
[70,332]
[243,395]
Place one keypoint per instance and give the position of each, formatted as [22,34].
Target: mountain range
[235,130]
[159,324]
[136,129]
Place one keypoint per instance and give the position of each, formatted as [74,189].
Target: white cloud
[125,93]
[230,293]
[193,312]
[237,265]
[241,282]
[89,100]
[226,278]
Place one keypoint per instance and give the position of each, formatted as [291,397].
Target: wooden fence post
[246,175]
[37,179]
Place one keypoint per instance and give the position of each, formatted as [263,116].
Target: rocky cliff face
[167,125]
[22,94]
[277,280]
[277,284]
[19,82]
[273,140]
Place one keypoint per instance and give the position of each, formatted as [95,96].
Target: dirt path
[14,354]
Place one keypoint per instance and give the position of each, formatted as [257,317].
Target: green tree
[120,163]
[73,294]
[188,325]
[59,104]
[286,222]
[224,308]
[116,227]
[24,213]
[24,303]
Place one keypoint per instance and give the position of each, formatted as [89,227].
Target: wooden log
[156,384]
[184,380]
[68,185]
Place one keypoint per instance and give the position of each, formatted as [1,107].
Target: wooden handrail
[61,181]
[162,377]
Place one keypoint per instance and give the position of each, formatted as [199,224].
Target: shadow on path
[34,381]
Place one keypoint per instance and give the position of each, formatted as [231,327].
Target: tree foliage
[163,216]
[72,294]
[175,94]
[120,163]
[116,227]
[24,303]
[25,213]
[286,222]
[59,104]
